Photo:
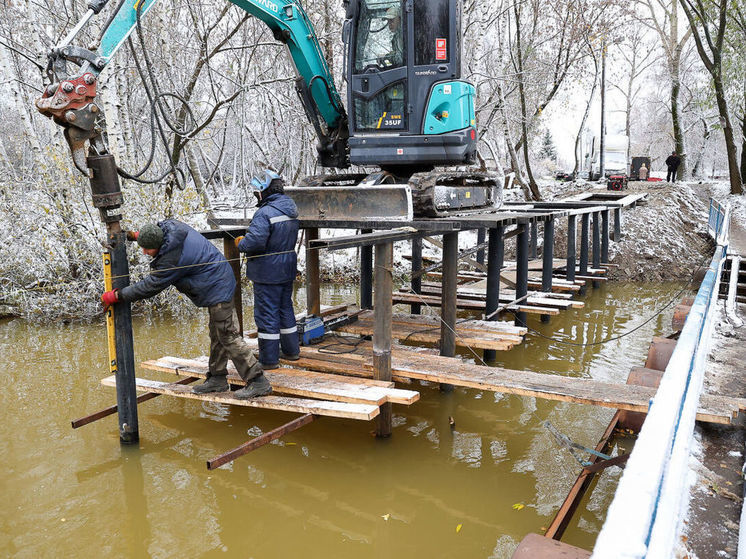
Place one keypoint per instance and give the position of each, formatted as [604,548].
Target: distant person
[673,161]
[643,173]
[182,257]
[393,19]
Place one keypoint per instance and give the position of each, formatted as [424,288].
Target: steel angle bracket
[565,442]
[379,202]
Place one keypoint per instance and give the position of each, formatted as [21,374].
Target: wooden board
[345,410]
[448,370]
[432,301]
[506,296]
[299,382]
[497,326]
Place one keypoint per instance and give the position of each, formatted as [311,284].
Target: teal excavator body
[410,110]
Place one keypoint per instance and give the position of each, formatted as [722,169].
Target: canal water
[331,489]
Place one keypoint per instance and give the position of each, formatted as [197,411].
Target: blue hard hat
[262,184]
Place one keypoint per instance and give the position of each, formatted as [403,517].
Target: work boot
[284,355]
[266,367]
[216,383]
[258,386]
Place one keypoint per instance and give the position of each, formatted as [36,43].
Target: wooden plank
[300,382]
[557,300]
[547,386]
[405,298]
[477,325]
[345,410]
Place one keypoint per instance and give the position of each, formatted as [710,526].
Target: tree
[708,20]
[548,149]
[664,19]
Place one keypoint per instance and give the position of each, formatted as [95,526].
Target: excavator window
[384,111]
[432,36]
[380,43]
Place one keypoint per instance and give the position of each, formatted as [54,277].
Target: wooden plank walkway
[421,328]
[345,410]
[447,370]
[478,292]
[465,304]
[299,382]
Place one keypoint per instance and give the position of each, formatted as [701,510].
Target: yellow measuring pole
[110,316]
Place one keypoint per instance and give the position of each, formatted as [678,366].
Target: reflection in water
[330,489]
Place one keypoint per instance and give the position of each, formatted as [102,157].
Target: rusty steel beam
[86,419]
[260,441]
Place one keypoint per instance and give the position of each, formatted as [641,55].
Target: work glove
[132,235]
[237,241]
[109,298]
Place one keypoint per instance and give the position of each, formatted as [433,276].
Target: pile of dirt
[664,237]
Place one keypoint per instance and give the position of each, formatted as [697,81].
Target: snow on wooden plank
[299,382]
[345,410]
[432,301]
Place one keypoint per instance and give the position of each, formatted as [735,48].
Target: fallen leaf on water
[290,444]
[518,506]
[386,516]
[458,528]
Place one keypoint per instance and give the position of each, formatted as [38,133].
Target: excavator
[410,113]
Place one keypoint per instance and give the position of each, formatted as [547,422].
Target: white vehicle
[616,156]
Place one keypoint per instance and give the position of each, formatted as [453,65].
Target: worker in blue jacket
[182,257]
[271,266]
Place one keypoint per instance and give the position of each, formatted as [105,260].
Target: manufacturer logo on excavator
[269,5]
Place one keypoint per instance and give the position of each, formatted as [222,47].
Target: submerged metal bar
[521,280]
[547,266]
[382,329]
[313,288]
[533,239]
[481,233]
[416,282]
[448,306]
[260,441]
[617,224]
[571,235]
[86,419]
[366,274]
[596,244]
[495,256]
[605,236]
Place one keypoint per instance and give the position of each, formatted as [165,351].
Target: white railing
[644,518]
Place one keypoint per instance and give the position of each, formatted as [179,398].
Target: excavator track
[382,195]
[443,193]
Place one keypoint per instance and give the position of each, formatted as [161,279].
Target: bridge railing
[644,519]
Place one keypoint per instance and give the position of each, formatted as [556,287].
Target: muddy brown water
[328,490]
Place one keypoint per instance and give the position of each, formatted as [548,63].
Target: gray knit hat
[151,236]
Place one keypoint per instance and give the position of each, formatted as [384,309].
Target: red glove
[132,235]
[109,298]
[237,241]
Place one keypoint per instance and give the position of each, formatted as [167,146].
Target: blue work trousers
[275,321]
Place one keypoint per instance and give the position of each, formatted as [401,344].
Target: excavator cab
[408,106]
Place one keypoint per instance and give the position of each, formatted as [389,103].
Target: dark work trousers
[275,321]
[226,343]
[671,175]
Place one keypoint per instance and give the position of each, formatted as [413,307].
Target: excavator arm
[71,98]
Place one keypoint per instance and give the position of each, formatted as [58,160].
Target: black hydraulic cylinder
[596,243]
[571,234]
[521,280]
[547,266]
[416,282]
[448,299]
[495,256]
[366,274]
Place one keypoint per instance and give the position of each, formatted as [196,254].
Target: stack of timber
[479,334]
[301,390]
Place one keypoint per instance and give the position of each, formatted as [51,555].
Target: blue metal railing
[644,520]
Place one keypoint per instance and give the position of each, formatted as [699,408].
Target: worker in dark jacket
[185,259]
[271,266]
[672,161]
